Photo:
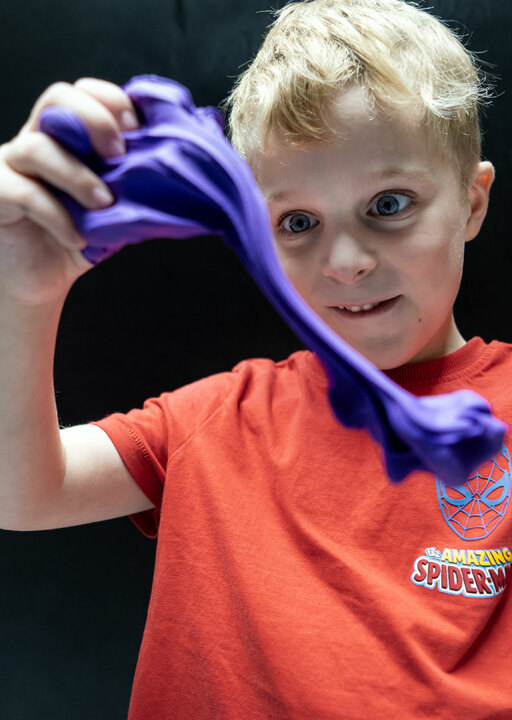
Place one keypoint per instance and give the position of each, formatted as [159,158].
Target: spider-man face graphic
[474,509]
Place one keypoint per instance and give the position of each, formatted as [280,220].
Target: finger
[39,156]
[114,98]
[24,197]
[103,127]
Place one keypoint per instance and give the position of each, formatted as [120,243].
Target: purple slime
[181,178]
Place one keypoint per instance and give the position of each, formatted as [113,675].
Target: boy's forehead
[371,145]
[352,103]
[366,162]
[294,187]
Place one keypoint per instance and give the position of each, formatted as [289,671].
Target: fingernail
[116,147]
[102,196]
[129,120]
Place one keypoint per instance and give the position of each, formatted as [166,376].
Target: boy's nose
[349,259]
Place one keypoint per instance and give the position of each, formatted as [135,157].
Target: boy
[292,579]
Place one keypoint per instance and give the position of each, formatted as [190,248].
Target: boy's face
[378,217]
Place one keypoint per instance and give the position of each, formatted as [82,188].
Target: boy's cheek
[287,264]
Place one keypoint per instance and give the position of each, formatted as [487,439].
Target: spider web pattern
[476,519]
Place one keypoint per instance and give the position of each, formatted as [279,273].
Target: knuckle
[55,90]
[25,196]
[105,91]
[5,149]
[97,84]
[29,144]
[85,82]
[20,152]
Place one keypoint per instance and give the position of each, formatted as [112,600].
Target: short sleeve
[147,437]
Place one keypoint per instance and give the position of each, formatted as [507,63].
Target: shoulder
[497,366]
[499,352]
[253,386]
[257,391]
[302,364]
[249,380]
[490,377]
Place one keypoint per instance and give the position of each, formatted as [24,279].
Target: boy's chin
[389,353]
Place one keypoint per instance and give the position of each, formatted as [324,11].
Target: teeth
[356,308]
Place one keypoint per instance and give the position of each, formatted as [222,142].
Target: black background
[159,315]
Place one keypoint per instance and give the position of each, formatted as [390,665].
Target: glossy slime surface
[181,178]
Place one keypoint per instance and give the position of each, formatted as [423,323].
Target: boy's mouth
[372,308]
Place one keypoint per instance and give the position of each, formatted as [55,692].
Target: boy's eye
[390,204]
[298,223]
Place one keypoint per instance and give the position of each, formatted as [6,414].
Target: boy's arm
[50,478]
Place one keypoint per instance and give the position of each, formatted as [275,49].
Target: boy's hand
[40,254]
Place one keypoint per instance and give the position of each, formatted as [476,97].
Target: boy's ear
[478,197]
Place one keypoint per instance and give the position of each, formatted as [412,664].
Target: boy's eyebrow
[403,172]
[372,177]
[280,195]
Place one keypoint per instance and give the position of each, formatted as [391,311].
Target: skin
[341,244]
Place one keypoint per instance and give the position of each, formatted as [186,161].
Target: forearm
[31,458]
[40,259]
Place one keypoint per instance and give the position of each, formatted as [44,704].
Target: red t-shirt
[292,579]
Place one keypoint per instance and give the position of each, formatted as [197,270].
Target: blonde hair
[404,58]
